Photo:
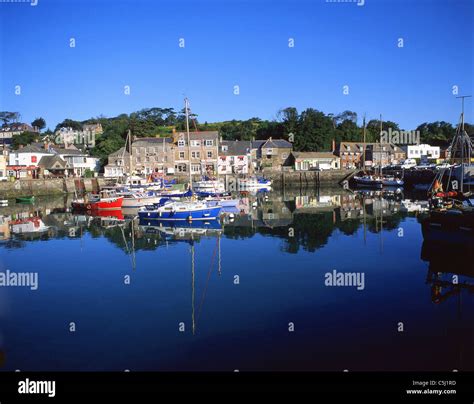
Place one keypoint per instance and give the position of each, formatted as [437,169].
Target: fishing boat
[25,199]
[253,183]
[209,185]
[451,216]
[369,181]
[137,199]
[105,200]
[391,181]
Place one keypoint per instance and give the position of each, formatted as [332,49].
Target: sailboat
[182,210]
[377,181]
[451,216]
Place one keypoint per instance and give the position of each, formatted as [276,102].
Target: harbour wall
[58,186]
[50,186]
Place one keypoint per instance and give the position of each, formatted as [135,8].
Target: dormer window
[181,143]
[225,148]
[209,142]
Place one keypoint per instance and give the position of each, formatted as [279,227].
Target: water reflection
[279,246]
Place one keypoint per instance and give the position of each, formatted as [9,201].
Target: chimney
[333,145]
[46,145]
[220,139]
[270,138]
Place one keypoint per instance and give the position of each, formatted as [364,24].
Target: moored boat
[181,211]
[25,199]
[369,181]
[105,200]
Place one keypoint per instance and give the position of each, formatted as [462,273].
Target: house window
[181,155]
[181,143]
[195,143]
[209,154]
[225,148]
[195,168]
[195,155]
[209,142]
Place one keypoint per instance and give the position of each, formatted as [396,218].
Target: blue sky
[237,42]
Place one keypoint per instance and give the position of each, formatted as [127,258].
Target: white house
[417,151]
[77,161]
[304,161]
[234,157]
[28,156]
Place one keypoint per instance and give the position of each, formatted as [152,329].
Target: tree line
[312,130]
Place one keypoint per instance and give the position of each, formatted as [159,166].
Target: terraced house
[202,155]
[234,156]
[271,154]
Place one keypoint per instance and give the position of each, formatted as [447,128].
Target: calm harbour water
[250,293]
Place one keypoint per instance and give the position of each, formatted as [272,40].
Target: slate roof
[277,143]
[313,155]
[52,162]
[151,141]
[235,147]
[205,134]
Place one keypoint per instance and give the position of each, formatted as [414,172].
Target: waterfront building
[77,161]
[52,166]
[234,156]
[270,154]
[201,156]
[423,151]
[352,154]
[118,164]
[152,155]
[25,162]
[304,161]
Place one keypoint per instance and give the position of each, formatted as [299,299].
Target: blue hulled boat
[181,211]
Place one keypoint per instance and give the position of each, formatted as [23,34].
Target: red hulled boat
[105,200]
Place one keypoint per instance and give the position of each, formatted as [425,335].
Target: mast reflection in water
[247,292]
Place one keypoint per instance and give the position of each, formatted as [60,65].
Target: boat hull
[113,204]
[209,213]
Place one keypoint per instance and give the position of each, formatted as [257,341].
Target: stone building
[204,150]
[270,154]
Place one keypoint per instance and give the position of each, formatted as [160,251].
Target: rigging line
[207,282]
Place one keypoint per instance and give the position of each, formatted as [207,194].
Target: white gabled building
[234,157]
[417,151]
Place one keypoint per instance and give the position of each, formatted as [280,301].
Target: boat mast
[129,137]
[363,158]
[463,135]
[186,104]
[380,145]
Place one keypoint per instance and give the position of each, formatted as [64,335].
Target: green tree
[39,123]
[24,139]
